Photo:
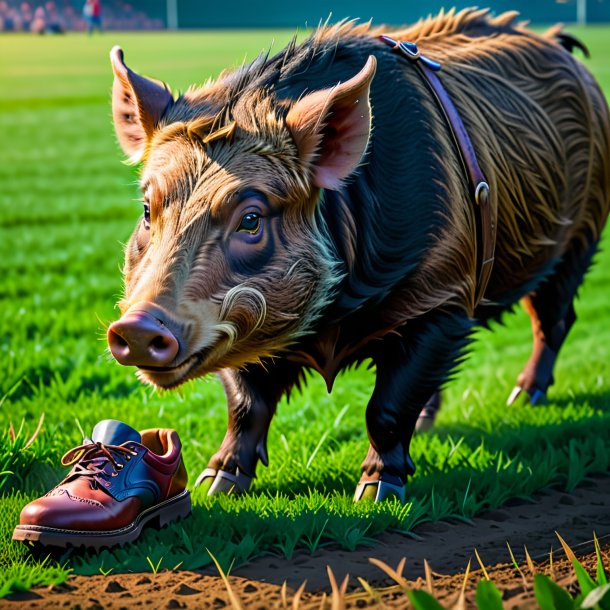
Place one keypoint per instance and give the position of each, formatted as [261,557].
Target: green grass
[66,206]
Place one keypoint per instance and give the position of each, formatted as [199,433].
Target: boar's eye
[146,214]
[250,223]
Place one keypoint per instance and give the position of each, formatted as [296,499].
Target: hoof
[222,482]
[377,491]
[514,395]
[533,396]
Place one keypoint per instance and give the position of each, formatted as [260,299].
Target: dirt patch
[447,546]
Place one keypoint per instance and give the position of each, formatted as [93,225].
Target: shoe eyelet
[115,474]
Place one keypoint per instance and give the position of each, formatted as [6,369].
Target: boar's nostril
[140,339]
[162,346]
[118,345]
[119,341]
[159,342]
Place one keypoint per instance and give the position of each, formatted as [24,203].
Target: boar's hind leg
[252,397]
[551,309]
[410,367]
[428,414]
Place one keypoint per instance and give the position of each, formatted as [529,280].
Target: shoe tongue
[114,432]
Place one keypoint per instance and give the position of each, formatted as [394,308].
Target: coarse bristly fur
[402,229]
[340,269]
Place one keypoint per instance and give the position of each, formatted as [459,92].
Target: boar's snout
[140,339]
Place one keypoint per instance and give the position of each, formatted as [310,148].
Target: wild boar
[310,211]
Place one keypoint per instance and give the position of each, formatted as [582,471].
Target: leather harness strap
[486,221]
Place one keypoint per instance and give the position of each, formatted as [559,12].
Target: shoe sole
[170,510]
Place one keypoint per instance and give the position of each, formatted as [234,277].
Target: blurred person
[39,23]
[13,21]
[8,24]
[54,22]
[70,17]
[92,12]
[26,15]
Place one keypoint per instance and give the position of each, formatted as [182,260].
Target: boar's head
[230,262]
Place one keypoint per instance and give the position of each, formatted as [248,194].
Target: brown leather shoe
[120,481]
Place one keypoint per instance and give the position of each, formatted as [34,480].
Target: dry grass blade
[283,596]
[338,593]
[400,568]
[566,549]
[516,565]
[296,600]
[11,431]
[428,572]
[460,604]
[529,561]
[322,605]
[370,590]
[235,602]
[36,432]
[551,569]
[481,564]
[395,575]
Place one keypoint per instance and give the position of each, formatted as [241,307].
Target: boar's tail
[567,41]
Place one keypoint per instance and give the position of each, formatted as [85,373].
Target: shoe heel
[179,508]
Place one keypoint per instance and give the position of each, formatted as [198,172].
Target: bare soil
[448,547]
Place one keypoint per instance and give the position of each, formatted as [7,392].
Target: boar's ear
[331,127]
[137,106]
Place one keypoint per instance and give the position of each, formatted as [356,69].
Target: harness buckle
[410,51]
[481,193]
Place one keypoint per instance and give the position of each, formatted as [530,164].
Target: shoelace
[90,458]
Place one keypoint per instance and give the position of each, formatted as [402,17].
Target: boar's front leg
[410,367]
[252,397]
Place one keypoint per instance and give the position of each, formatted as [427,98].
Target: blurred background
[63,15]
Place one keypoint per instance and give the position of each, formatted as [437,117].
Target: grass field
[66,206]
